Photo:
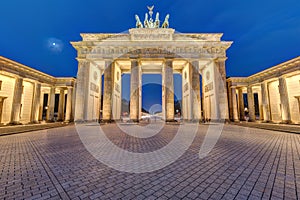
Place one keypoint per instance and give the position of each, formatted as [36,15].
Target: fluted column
[82,85]
[41,107]
[265,102]
[196,99]
[241,105]
[61,105]
[168,90]
[69,105]
[51,104]
[234,104]
[16,106]
[36,103]
[135,80]
[1,108]
[221,89]
[251,107]
[284,99]
[108,88]
[100,95]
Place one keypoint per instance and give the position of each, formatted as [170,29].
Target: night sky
[38,33]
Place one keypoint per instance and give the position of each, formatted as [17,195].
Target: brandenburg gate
[151,47]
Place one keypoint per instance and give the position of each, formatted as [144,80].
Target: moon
[55,45]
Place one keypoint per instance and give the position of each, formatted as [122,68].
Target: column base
[219,120]
[134,121]
[170,120]
[34,122]
[285,122]
[15,123]
[266,121]
[107,121]
[193,121]
[68,121]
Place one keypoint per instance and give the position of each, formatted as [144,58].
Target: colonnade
[273,101]
[167,91]
[37,101]
[193,101]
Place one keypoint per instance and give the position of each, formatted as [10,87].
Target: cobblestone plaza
[246,163]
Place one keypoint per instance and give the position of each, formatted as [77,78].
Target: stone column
[36,103]
[251,107]
[108,90]
[234,104]
[69,105]
[73,102]
[241,105]
[61,105]
[221,89]
[284,99]
[135,86]
[1,108]
[196,99]
[16,105]
[100,96]
[168,90]
[41,107]
[265,102]
[81,90]
[51,104]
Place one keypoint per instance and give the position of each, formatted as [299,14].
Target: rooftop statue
[157,21]
[138,22]
[166,22]
[150,23]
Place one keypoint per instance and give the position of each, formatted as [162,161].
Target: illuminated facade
[154,51]
[272,95]
[30,96]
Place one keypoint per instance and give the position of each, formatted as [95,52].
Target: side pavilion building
[272,95]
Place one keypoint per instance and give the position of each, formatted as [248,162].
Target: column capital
[282,77]
[223,59]
[135,62]
[169,61]
[107,58]
[169,57]
[191,60]
[82,60]
[134,57]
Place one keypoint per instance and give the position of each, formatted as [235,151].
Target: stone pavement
[8,130]
[289,128]
[246,163]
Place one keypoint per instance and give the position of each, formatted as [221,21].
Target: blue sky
[264,32]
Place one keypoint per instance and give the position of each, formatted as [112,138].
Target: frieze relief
[205,52]
[208,87]
[94,87]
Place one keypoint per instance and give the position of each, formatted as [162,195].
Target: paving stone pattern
[246,163]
